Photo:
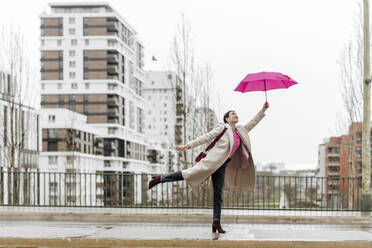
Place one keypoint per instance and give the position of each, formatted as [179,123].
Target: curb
[16,242]
[184,218]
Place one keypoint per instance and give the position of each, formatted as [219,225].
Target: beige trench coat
[240,173]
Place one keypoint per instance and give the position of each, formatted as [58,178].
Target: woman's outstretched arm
[250,125]
[203,139]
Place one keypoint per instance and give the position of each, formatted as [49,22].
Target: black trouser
[218,179]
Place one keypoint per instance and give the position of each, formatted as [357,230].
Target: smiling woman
[230,155]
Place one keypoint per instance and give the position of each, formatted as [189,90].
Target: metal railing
[117,189]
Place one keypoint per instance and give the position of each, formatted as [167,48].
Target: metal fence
[116,189]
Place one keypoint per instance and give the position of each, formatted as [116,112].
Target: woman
[233,149]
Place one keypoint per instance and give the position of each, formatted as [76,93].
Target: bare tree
[182,61]
[350,65]
[18,124]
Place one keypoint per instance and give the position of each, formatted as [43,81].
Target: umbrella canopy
[264,81]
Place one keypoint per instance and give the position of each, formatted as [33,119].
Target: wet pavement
[152,231]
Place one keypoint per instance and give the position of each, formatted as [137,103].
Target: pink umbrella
[264,81]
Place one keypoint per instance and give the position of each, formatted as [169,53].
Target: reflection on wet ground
[284,232]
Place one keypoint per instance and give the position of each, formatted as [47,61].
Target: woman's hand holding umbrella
[183,148]
[265,106]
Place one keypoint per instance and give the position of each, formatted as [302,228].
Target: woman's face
[233,117]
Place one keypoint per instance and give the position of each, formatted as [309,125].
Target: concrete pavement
[136,227]
[88,234]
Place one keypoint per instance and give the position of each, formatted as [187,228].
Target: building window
[42,42]
[71,31]
[52,146]
[52,133]
[72,64]
[74,86]
[71,53]
[52,118]
[59,85]
[71,20]
[111,130]
[85,106]
[74,42]
[111,43]
[87,86]
[86,42]
[72,74]
[107,164]
[52,159]
[43,86]
[59,42]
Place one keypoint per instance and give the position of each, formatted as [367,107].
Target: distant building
[162,118]
[92,63]
[342,166]
[19,145]
[19,132]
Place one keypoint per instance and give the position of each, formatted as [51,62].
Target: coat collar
[230,134]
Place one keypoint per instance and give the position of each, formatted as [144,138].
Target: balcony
[113,70]
[333,163]
[333,154]
[113,58]
[112,26]
[113,77]
[112,101]
[113,120]
[113,112]
[333,182]
[333,173]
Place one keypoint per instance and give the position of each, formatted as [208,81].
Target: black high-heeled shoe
[154,181]
[216,225]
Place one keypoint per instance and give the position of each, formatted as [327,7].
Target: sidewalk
[138,227]
[83,234]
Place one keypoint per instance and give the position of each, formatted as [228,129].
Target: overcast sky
[302,39]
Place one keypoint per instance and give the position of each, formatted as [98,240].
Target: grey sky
[299,38]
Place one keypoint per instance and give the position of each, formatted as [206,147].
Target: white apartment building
[19,145]
[322,158]
[92,63]
[71,170]
[25,134]
[161,115]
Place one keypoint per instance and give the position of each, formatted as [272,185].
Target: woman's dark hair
[226,115]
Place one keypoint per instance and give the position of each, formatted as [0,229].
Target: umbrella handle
[265,90]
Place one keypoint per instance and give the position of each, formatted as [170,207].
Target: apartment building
[164,119]
[342,161]
[71,159]
[161,116]
[92,63]
[19,143]
[19,130]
